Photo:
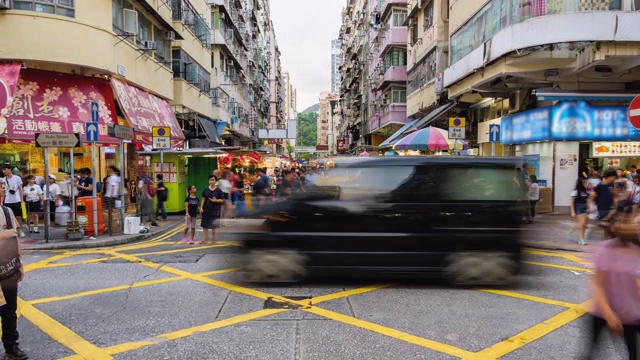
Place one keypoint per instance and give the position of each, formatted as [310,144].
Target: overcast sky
[304,30]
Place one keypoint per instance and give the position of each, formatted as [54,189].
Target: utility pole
[332,145]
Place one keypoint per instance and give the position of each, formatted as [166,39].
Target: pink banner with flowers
[52,102]
[144,111]
[8,80]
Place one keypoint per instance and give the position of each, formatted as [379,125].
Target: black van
[448,216]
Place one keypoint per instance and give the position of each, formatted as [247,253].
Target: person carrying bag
[11,273]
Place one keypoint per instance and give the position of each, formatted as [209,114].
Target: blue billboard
[571,121]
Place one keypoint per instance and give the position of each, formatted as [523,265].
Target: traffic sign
[161,131]
[121,132]
[91,132]
[95,111]
[456,132]
[634,112]
[494,132]
[58,140]
[161,143]
[457,122]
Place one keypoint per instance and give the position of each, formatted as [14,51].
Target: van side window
[478,182]
[421,187]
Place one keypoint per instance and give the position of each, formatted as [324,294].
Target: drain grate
[272,303]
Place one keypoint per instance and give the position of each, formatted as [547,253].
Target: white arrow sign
[494,132]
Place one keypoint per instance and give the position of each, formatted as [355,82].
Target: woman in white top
[534,196]
[53,199]
[225,185]
[33,196]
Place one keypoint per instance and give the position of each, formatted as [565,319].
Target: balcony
[395,37]
[394,114]
[387,5]
[394,74]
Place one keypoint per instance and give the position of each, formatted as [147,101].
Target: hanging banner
[52,103]
[9,74]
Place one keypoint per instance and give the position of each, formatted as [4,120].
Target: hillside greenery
[307,129]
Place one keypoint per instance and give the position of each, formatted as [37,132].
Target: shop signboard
[569,121]
[8,81]
[145,111]
[340,145]
[48,102]
[616,149]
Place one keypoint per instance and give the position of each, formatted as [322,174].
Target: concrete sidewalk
[550,231]
[58,242]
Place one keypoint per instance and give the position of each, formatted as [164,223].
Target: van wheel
[481,269]
[275,266]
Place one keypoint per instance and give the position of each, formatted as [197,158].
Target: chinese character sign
[8,81]
[52,102]
[340,145]
[145,110]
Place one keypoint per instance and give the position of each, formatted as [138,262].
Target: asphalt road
[164,300]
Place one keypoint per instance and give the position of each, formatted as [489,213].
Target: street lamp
[332,136]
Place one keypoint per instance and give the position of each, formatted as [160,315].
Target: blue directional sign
[95,112]
[494,133]
[91,132]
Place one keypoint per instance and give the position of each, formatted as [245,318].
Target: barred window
[184,67]
[422,73]
[185,12]
[428,15]
[57,7]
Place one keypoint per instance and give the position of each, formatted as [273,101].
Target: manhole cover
[272,303]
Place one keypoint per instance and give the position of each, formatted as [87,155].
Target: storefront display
[616,149]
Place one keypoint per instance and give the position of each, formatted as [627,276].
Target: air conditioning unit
[170,35]
[130,22]
[150,45]
[385,101]
[5,4]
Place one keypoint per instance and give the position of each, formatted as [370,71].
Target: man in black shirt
[85,184]
[602,197]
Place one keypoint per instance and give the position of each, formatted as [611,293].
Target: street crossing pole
[47,222]
[122,184]
[72,165]
[95,188]
[493,148]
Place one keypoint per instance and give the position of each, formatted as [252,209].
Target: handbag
[9,256]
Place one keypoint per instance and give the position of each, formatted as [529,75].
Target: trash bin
[84,215]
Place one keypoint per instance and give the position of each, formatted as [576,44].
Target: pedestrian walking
[615,288]
[241,204]
[191,204]
[53,198]
[163,196]
[112,187]
[147,193]
[13,197]
[34,197]
[211,208]
[579,198]
[601,200]
[11,273]
[534,196]
[226,187]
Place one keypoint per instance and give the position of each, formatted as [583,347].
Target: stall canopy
[209,128]
[144,111]
[397,135]
[53,102]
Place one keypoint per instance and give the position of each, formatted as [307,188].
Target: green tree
[307,129]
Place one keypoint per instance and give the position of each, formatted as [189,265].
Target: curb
[537,245]
[90,244]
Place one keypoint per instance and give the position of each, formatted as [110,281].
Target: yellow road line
[577,259]
[530,298]
[124,287]
[564,255]
[347,293]
[573,268]
[221,244]
[41,264]
[515,342]
[393,333]
[62,334]
[130,346]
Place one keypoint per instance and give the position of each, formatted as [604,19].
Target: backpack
[152,188]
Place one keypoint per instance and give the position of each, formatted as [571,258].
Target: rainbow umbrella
[429,138]
[462,145]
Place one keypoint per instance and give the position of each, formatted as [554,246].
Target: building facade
[290,107]
[534,76]
[335,65]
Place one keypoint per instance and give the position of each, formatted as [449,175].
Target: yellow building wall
[84,42]
[191,97]
[461,10]
[163,7]
[421,99]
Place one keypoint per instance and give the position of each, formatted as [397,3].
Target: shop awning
[52,102]
[209,128]
[435,114]
[568,95]
[144,111]
[398,134]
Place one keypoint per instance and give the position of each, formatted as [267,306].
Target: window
[398,95]
[398,17]
[422,73]
[478,182]
[428,15]
[184,11]
[362,183]
[57,7]
[117,16]
[144,30]
[395,57]
[163,53]
[184,67]
[414,34]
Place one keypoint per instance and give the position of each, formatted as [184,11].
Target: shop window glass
[59,7]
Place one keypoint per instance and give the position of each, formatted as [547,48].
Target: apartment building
[325,120]
[290,109]
[335,65]
[534,80]
[245,64]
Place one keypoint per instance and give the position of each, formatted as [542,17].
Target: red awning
[53,102]
[144,111]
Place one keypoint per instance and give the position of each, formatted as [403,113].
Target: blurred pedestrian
[11,273]
[601,200]
[615,288]
[226,187]
[191,205]
[211,208]
[163,196]
[53,199]
[534,196]
[34,197]
[13,196]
